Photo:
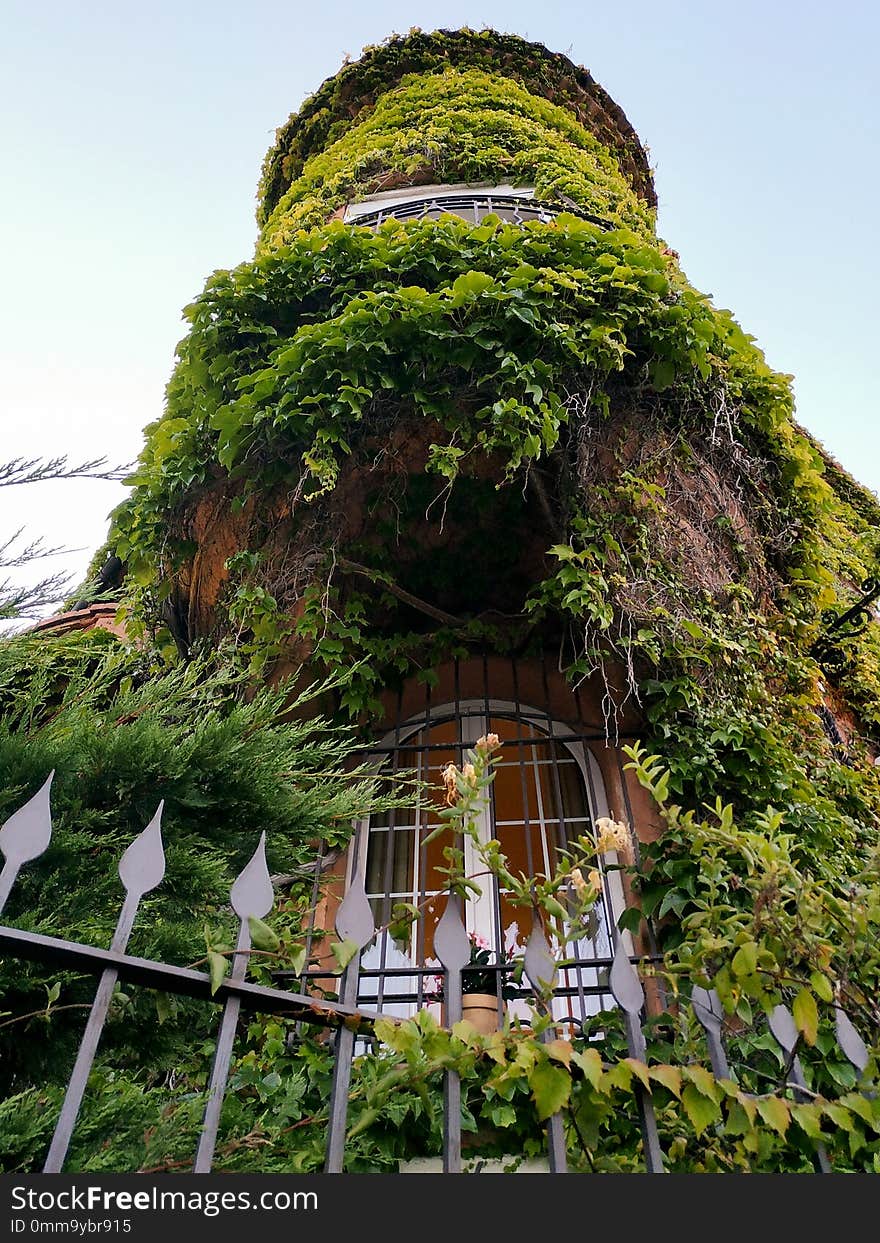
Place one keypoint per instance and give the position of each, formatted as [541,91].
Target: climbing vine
[382,448]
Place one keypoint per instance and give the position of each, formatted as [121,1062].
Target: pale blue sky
[133,133]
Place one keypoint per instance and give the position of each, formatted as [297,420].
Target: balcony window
[547,791]
[470,203]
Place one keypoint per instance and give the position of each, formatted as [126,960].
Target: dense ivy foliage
[692,537]
[354,90]
[474,129]
[383,447]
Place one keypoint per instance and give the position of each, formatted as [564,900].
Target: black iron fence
[26,836]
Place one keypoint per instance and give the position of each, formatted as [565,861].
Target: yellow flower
[612,835]
[488,742]
[577,879]
[449,774]
[595,880]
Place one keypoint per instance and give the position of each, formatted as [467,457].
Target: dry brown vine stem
[406,597]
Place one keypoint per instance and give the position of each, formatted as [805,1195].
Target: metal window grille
[548,790]
[539,804]
[472,206]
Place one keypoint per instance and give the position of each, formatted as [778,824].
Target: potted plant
[481,985]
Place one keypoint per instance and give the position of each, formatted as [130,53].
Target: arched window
[547,791]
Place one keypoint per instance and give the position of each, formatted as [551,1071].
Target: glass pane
[392,875]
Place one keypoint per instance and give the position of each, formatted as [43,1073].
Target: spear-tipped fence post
[785,1033]
[252,897]
[141,869]
[25,836]
[627,991]
[539,965]
[355,923]
[851,1043]
[710,1015]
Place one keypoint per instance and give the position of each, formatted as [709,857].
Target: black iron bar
[453,948]
[451,1080]
[254,998]
[141,869]
[319,974]
[538,741]
[85,1057]
[390,850]
[25,836]
[420,832]
[710,1016]
[854,621]
[627,991]
[343,1051]
[635,1040]
[354,923]
[821,1160]
[493,833]
[556,1154]
[785,1033]
[222,1059]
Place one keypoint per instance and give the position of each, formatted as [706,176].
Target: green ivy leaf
[560,1051]
[640,1070]
[809,1119]
[839,1115]
[662,374]
[297,957]
[775,1113]
[867,1110]
[822,986]
[343,952]
[703,1081]
[806,1015]
[669,1076]
[163,1007]
[366,1119]
[590,1062]
[503,1115]
[701,1110]
[745,960]
[551,1088]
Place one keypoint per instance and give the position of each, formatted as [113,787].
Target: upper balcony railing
[470,205]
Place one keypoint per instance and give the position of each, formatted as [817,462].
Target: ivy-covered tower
[463,431]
